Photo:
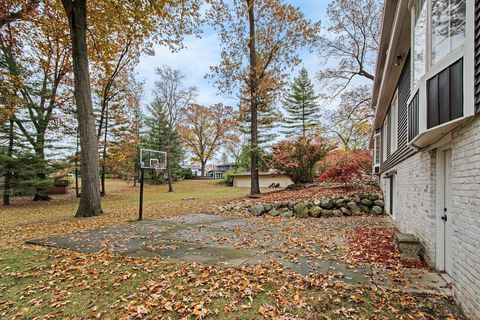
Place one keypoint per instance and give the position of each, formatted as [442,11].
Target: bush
[346,167]
[227,177]
[297,159]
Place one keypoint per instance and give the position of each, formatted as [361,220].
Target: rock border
[352,205]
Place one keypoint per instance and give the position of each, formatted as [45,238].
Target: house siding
[414,200]
[415,209]
[466,223]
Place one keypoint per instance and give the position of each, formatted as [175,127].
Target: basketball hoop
[151,160]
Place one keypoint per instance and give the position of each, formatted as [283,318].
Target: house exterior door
[448,214]
[445,214]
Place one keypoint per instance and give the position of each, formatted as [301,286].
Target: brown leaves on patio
[377,246]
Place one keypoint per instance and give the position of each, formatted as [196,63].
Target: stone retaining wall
[358,204]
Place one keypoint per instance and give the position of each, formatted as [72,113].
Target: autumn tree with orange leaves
[260,39]
[205,129]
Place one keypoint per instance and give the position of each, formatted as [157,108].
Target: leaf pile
[377,246]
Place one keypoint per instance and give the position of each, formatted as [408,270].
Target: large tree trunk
[169,171]
[41,192]
[203,164]
[255,185]
[104,154]
[90,202]
[77,190]
[8,169]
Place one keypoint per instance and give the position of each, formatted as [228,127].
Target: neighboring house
[218,170]
[196,170]
[266,179]
[426,136]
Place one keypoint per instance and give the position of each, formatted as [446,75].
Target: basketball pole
[140,209]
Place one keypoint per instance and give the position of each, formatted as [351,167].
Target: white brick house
[426,136]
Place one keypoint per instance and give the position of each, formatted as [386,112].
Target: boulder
[317,202]
[326,204]
[364,208]
[273,212]
[357,199]
[379,203]
[366,202]
[353,207]
[340,203]
[345,211]
[291,205]
[301,210]
[286,214]
[257,210]
[268,207]
[281,204]
[337,213]
[315,211]
[327,213]
[377,210]
[374,196]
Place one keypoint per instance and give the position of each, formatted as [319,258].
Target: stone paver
[235,241]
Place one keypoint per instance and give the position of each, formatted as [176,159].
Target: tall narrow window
[419,41]
[377,149]
[394,123]
[385,139]
[448,27]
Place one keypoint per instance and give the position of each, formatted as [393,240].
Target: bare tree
[260,41]
[350,123]
[205,129]
[174,97]
[351,41]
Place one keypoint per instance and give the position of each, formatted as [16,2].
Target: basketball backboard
[153,159]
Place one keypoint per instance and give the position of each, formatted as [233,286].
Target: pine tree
[301,107]
[159,136]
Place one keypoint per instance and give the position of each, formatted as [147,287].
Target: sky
[199,54]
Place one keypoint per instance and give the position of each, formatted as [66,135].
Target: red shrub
[297,159]
[345,167]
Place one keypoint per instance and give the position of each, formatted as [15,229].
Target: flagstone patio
[303,246]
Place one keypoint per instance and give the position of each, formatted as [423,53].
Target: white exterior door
[448,214]
[445,214]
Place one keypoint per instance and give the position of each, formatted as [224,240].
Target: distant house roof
[248,174]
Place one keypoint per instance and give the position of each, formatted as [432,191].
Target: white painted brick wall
[466,210]
[414,204]
[415,209]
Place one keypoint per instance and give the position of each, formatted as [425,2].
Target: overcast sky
[199,54]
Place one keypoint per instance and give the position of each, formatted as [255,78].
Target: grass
[120,196]
[25,219]
[39,283]
[53,283]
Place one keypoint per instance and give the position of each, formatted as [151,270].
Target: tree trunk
[41,192]
[8,169]
[77,190]
[255,185]
[104,153]
[169,171]
[90,202]
[203,164]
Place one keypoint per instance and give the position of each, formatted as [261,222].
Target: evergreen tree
[159,136]
[268,118]
[301,107]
